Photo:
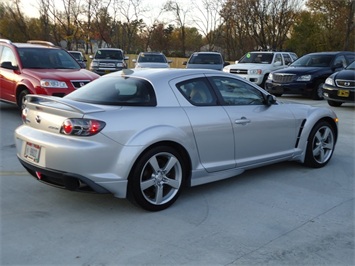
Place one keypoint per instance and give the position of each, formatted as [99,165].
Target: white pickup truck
[256,66]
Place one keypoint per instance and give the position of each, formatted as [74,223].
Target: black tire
[321,144]
[334,103]
[21,99]
[157,178]
[317,93]
[262,85]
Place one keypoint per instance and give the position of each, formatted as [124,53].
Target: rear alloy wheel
[157,178]
[320,147]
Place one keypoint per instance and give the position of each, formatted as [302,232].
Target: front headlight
[50,83]
[226,69]
[120,65]
[304,78]
[329,81]
[94,64]
[255,71]
[270,76]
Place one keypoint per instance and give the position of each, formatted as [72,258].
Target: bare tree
[209,20]
[268,22]
[180,15]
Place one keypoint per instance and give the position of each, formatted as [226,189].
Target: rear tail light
[81,127]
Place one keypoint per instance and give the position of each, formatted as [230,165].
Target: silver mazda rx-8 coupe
[145,134]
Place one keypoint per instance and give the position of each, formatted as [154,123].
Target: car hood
[345,74]
[205,66]
[303,70]
[249,66]
[61,74]
[152,65]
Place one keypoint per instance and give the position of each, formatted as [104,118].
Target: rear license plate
[343,93]
[32,152]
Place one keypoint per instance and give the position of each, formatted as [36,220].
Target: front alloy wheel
[156,179]
[321,143]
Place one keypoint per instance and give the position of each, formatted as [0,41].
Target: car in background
[107,60]
[339,87]
[256,66]
[307,74]
[38,67]
[78,56]
[206,60]
[151,60]
[144,134]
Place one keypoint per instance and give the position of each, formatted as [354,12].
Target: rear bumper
[75,182]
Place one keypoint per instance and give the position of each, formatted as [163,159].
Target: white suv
[256,66]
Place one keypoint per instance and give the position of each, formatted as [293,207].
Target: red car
[38,67]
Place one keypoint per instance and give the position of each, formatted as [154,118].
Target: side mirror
[338,65]
[134,60]
[270,100]
[184,63]
[126,58]
[8,65]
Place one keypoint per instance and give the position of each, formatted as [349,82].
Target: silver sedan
[145,134]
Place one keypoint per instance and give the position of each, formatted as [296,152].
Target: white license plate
[32,152]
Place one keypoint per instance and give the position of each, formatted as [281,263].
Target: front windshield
[205,59]
[109,54]
[313,60]
[152,58]
[257,58]
[44,58]
[116,90]
[351,66]
[77,56]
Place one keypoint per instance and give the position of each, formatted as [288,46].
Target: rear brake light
[81,127]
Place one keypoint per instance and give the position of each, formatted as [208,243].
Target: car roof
[168,73]
[151,53]
[112,49]
[331,53]
[206,53]
[30,45]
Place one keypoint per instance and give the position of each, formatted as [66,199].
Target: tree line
[232,27]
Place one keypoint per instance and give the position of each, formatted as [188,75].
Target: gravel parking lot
[285,214]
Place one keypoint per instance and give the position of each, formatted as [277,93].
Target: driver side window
[237,92]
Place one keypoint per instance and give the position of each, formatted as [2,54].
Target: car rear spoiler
[69,105]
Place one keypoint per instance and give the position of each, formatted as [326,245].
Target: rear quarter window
[115,90]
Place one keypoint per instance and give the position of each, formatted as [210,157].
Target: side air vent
[300,132]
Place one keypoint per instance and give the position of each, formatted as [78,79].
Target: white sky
[30,7]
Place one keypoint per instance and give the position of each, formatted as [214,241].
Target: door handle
[242,121]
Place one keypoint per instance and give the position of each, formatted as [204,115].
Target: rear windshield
[44,58]
[109,54]
[257,58]
[206,59]
[116,90]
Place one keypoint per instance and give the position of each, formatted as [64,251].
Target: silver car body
[220,141]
